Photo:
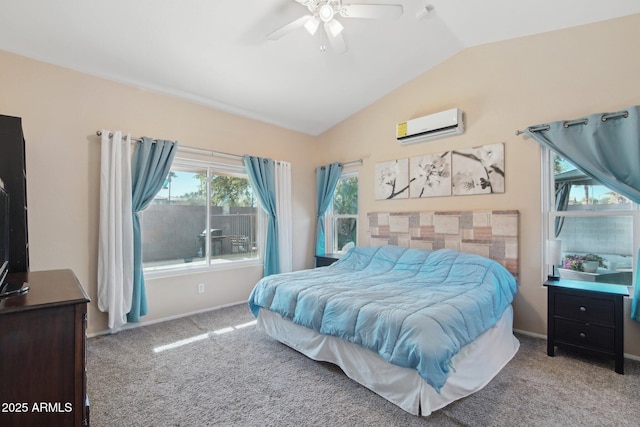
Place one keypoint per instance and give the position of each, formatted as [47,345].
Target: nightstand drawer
[585,335]
[587,309]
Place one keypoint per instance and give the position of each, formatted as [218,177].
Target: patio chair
[238,243]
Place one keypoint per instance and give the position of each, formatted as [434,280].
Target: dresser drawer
[588,335]
[584,308]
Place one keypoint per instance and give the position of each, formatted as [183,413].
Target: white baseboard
[531,334]
[164,319]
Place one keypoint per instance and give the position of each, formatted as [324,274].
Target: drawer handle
[583,308]
[583,335]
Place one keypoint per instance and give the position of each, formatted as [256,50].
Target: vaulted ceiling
[215,52]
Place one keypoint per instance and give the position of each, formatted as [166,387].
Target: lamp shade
[554,252]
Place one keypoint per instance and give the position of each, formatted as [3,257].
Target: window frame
[331,238]
[549,214]
[212,169]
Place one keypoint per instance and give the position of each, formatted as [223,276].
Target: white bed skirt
[473,368]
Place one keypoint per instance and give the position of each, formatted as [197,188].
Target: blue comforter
[415,308]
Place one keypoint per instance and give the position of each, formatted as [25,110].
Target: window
[342,215]
[589,218]
[205,215]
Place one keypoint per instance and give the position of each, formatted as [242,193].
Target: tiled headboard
[492,234]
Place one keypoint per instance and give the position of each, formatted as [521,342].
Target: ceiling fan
[325,12]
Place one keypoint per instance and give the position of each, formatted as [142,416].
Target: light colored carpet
[244,378]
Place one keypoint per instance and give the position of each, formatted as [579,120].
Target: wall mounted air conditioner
[437,125]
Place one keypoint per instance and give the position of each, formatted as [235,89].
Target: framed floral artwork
[430,175]
[392,179]
[478,170]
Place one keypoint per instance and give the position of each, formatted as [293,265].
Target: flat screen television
[4,234]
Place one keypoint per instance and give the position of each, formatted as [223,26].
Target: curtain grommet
[606,117]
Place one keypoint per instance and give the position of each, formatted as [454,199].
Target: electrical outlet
[201,288]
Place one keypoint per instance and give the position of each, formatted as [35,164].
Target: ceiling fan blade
[292,26]
[372,11]
[337,42]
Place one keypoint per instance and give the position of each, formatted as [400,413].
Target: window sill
[183,270]
[619,277]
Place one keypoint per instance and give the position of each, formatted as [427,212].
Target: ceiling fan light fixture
[312,25]
[335,27]
[326,12]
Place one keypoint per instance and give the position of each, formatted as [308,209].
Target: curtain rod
[213,152]
[568,123]
[342,164]
[352,162]
[189,149]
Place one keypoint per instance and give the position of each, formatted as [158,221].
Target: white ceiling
[214,52]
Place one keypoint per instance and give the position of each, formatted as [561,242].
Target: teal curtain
[151,164]
[261,174]
[606,147]
[326,180]
[562,202]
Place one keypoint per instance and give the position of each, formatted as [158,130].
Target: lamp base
[555,276]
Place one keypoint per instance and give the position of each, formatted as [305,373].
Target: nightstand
[327,259]
[586,316]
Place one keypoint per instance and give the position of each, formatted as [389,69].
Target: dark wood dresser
[587,316]
[43,351]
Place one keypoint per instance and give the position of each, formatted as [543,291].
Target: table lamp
[554,257]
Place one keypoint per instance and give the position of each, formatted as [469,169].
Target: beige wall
[502,87]
[61,111]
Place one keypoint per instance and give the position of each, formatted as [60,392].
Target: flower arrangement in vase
[588,263]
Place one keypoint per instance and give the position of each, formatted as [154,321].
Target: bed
[422,324]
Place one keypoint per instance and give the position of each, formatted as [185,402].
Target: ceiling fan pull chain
[323,39]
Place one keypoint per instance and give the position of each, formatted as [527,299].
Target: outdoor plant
[594,257]
[576,262]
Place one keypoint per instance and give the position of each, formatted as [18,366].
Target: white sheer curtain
[283,208]
[115,240]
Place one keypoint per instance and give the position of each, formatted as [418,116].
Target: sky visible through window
[596,192]
[182,183]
